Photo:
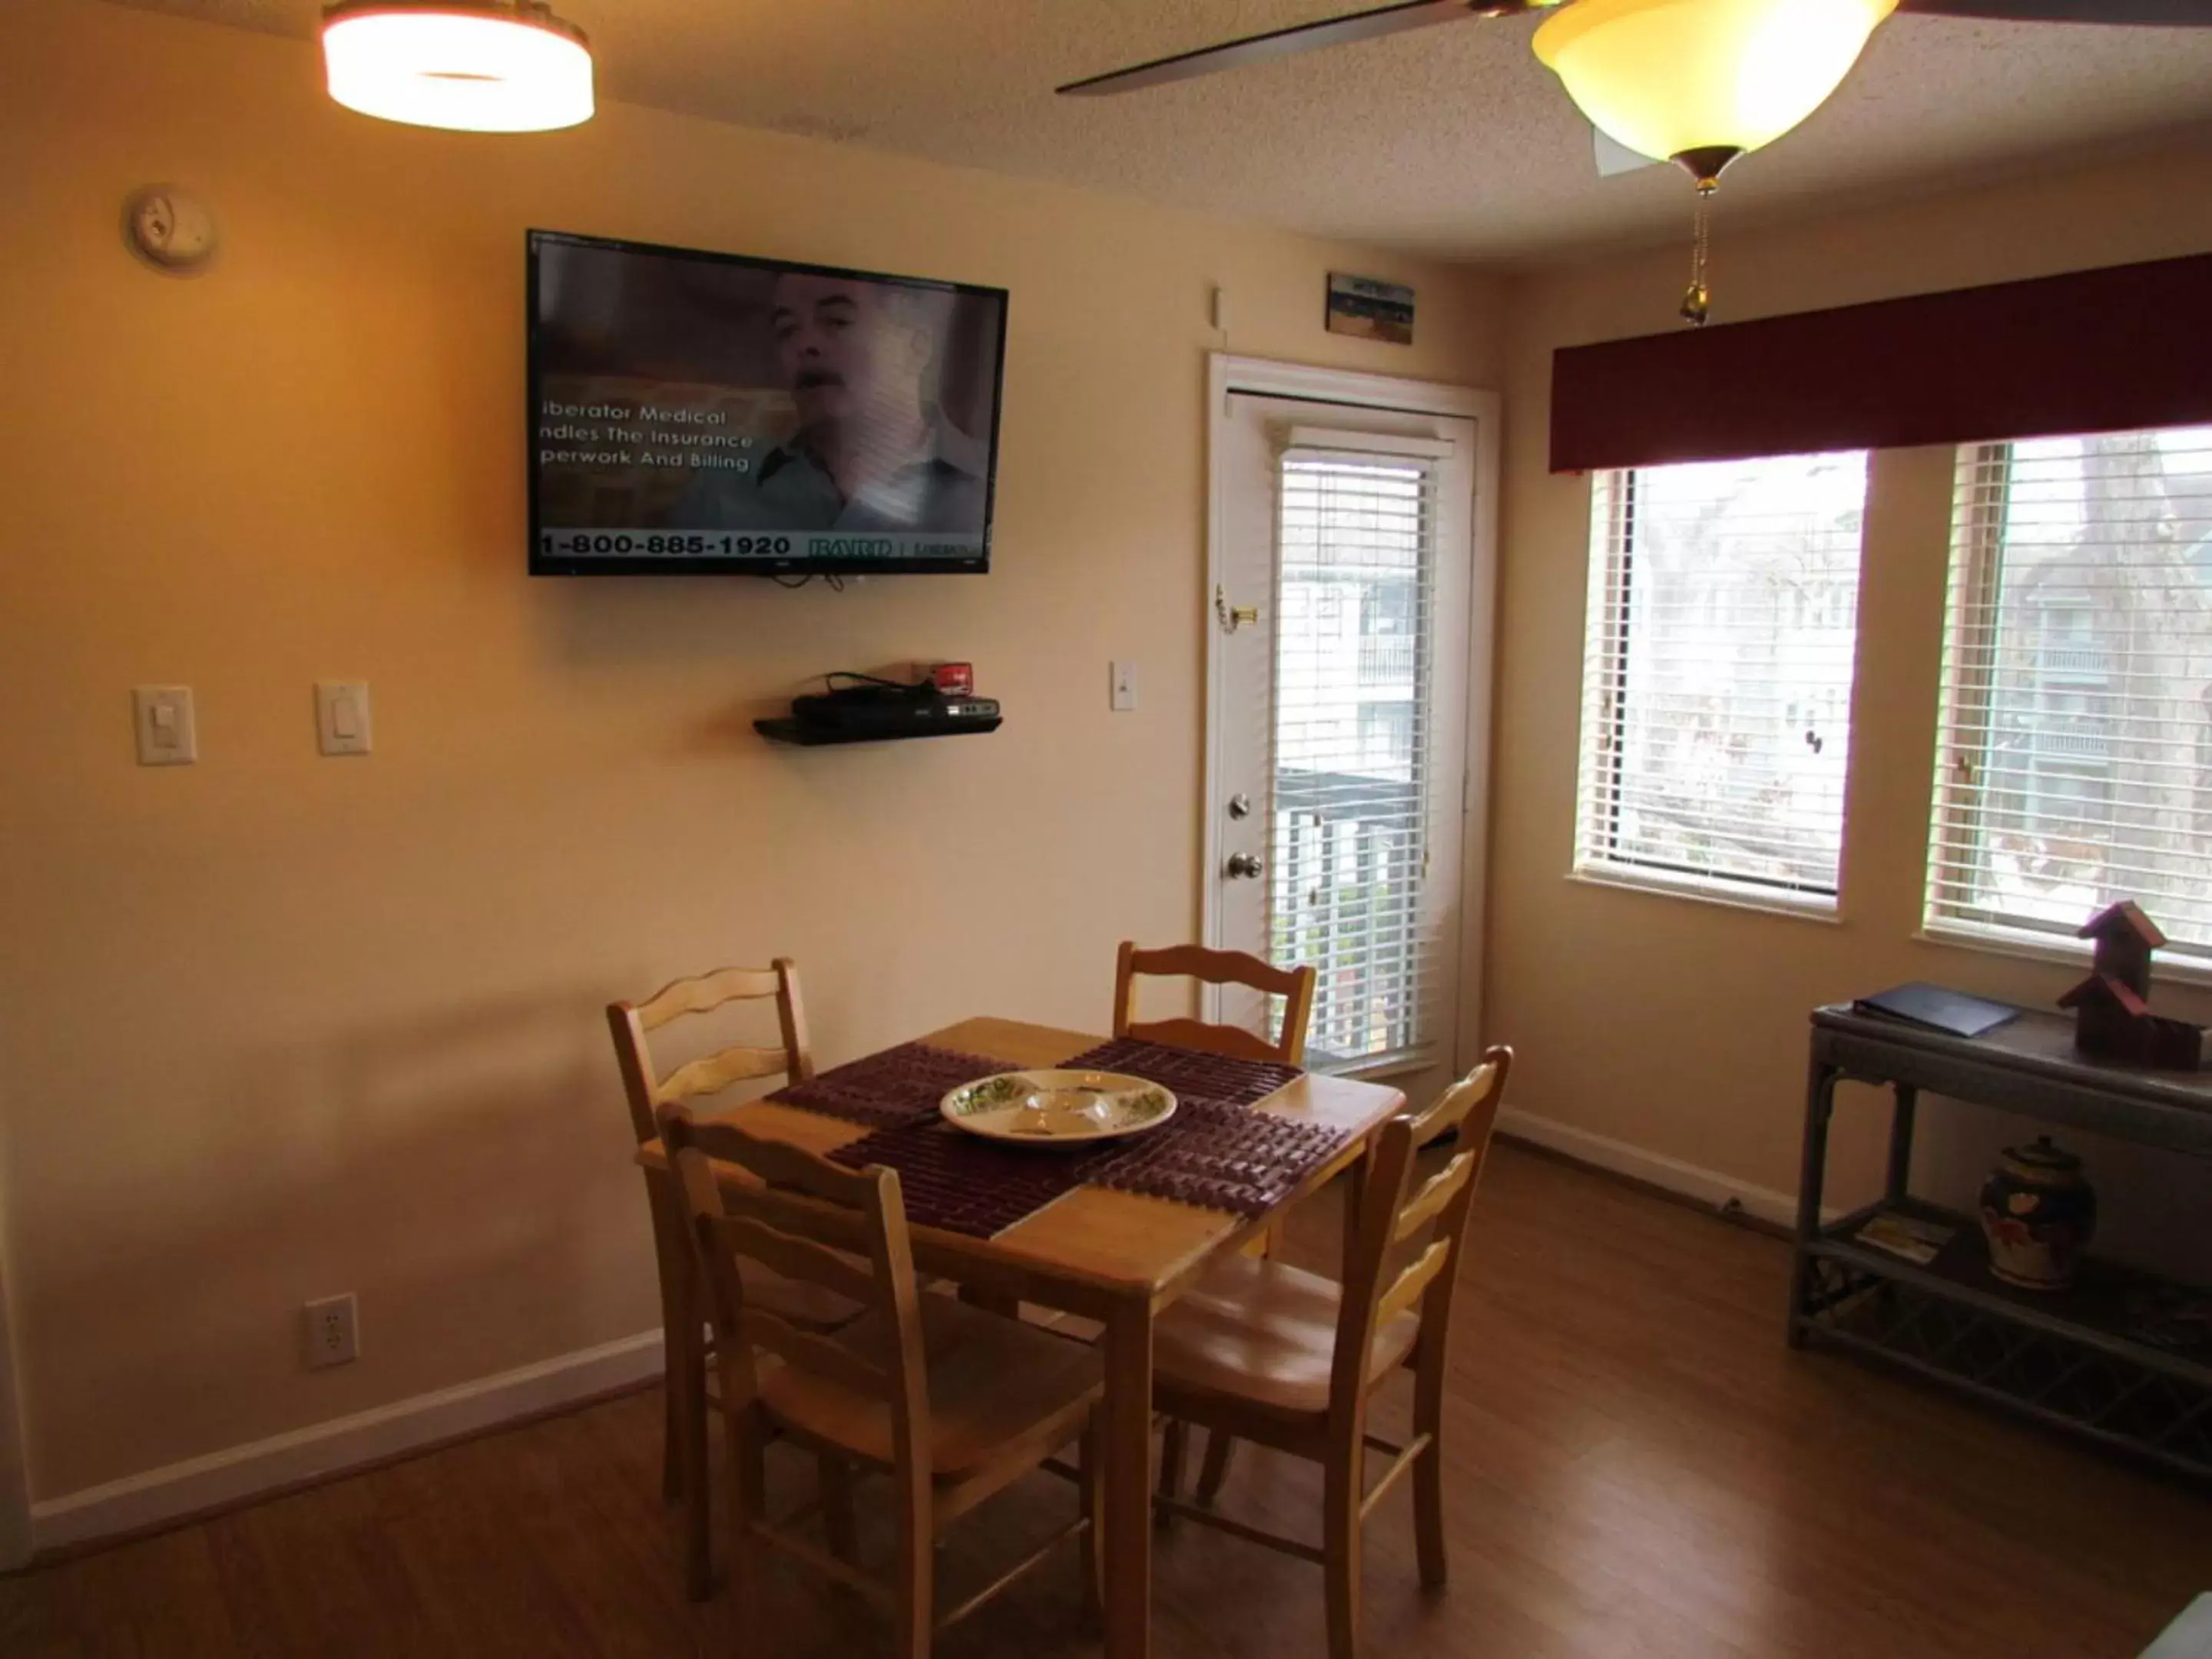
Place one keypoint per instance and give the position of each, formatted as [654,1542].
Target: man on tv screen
[701,411]
[869,452]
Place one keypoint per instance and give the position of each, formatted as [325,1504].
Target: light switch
[1124,687]
[167,736]
[342,717]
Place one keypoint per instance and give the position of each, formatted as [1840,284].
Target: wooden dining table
[1115,1257]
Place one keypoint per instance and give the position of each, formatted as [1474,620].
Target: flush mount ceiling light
[469,65]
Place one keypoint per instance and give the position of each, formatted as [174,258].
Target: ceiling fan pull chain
[1698,302]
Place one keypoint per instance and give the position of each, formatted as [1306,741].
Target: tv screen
[703,412]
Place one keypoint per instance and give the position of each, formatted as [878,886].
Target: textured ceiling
[1450,141]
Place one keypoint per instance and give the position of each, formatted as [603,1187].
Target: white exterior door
[1348,684]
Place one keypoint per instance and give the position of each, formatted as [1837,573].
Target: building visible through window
[1722,627]
[2075,764]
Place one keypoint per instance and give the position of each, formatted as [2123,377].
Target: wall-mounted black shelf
[813,737]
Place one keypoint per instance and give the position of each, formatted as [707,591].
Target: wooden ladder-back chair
[1210,967]
[1269,1353]
[952,1402]
[682,1318]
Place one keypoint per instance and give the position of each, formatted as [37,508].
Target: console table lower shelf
[2071,1358]
[2120,1356]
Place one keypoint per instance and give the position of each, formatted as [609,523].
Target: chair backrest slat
[1210,967]
[1408,1246]
[717,1071]
[629,1022]
[796,1257]
[1438,1190]
[1411,1281]
[817,1355]
[705,993]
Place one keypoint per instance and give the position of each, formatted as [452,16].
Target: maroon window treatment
[2114,350]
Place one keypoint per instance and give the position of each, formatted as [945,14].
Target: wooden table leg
[1128,1457]
[1354,1177]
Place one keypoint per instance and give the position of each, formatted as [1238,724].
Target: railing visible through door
[1349,840]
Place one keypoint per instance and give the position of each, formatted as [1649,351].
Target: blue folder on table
[1935,1009]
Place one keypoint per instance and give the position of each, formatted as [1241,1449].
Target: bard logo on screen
[851,547]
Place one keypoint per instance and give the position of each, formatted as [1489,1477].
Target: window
[1724,613]
[2075,762]
[1348,850]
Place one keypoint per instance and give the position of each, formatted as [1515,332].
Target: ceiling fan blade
[2167,13]
[1302,37]
[1613,157]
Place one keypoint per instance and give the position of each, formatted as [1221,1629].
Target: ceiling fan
[1698,82]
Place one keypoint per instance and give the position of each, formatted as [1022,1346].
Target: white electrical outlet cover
[331,1331]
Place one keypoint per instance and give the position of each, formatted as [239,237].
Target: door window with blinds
[1349,844]
[2075,765]
[1723,620]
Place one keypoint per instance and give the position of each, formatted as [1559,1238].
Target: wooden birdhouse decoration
[2113,1018]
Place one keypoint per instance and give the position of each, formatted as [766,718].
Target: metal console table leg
[1812,1175]
[1900,1141]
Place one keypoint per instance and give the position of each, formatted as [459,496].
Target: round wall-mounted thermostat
[170,229]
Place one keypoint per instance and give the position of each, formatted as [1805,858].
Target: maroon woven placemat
[1219,1155]
[1191,1075]
[895,1086]
[962,1184]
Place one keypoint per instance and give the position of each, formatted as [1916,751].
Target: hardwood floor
[1637,1466]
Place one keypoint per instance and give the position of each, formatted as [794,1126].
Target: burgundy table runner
[1216,1152]
[898,1086]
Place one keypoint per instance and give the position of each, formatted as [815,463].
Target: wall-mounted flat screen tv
[701,412]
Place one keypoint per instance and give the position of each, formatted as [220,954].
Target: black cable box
[859,712]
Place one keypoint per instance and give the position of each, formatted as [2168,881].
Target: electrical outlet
[333,1339]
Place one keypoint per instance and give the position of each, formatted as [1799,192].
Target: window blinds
[1348,851]
[2074,766]
[1716,692]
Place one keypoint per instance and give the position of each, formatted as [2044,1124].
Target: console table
[2100,1358]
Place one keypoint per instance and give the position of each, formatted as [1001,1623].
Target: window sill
[1801,908]
[2041,947]
[1381,1067]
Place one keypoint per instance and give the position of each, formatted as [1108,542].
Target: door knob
[1242,865]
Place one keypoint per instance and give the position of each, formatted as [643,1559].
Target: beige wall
[277,1026]
[1679,1026]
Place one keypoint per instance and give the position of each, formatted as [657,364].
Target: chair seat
[1264,1334]
[993,1383]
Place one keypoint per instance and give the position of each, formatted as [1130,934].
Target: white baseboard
[1691,1180]
[224,1478]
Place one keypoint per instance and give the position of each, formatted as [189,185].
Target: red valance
[2126,347]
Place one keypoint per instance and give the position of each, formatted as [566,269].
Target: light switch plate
[168,734]
[1123,687]
[342,717]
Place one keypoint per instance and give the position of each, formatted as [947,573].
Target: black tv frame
[542,564]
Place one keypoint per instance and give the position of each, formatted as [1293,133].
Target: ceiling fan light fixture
[1669,77]
[465,65]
